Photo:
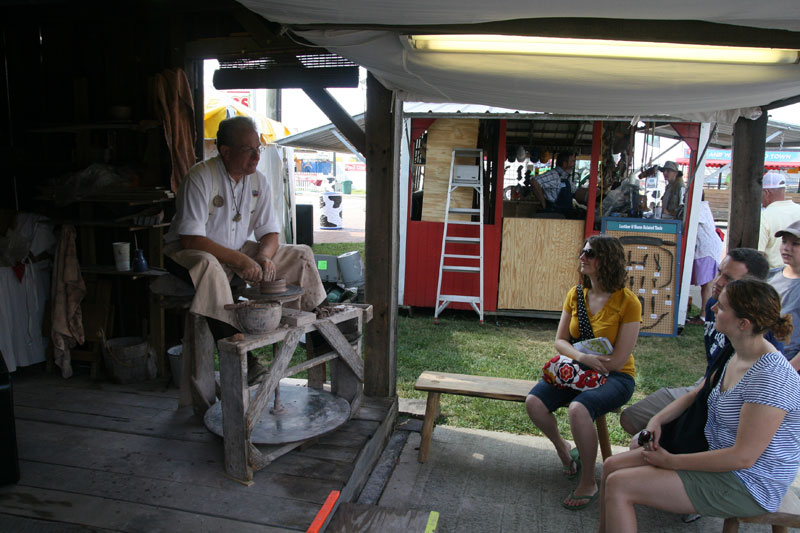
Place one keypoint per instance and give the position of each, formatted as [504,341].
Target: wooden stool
[198,384]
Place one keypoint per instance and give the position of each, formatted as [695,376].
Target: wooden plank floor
[124,458]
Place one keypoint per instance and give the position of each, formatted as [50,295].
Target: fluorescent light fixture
[511,44]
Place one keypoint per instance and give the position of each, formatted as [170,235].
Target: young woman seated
[753,428]
[615,313]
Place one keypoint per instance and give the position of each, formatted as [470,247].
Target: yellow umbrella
[220,107]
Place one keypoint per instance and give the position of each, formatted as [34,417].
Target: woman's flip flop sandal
[576,460]
[589,501]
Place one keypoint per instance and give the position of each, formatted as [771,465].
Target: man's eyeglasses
[588,252]
[252,151]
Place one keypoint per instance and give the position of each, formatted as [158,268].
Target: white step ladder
[462,176]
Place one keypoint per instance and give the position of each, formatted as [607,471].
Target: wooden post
[749,138]
[198,386]
[431,410]
[380,335]
[235,405]
[155,256]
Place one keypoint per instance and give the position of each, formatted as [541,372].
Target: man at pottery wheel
[220,203]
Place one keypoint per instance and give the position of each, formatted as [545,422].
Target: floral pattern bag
[566,373]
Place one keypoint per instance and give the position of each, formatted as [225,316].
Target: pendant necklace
[238,216]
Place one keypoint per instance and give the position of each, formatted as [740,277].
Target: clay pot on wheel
[276,286]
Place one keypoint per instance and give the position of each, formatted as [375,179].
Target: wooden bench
[513,390]
[788,515]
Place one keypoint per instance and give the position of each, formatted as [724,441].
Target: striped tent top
[769,381]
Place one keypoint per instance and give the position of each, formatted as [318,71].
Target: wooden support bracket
[342,347]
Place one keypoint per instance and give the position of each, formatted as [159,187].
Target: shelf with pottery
[245,417]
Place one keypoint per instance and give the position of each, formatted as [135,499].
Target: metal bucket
[174,354]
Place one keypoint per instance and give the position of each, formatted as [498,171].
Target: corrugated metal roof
[780,135]
[559,130]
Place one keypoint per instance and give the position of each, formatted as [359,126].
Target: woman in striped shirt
[753,428]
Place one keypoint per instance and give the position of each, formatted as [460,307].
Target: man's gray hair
[231,127]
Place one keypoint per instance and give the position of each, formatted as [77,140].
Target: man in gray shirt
[786,280]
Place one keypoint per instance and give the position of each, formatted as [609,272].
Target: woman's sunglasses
[588,252]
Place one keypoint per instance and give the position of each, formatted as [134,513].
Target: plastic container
[330,204]
[128,360]
[175,354]
[351,269]
[347,186]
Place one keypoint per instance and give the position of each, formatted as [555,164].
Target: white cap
[773,180]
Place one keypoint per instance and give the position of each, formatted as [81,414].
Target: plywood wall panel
[538,262]
[444,135]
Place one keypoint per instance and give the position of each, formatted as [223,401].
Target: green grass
[338,248]
[514,348]
[517,348]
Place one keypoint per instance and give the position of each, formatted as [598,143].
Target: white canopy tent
[557,84]
[375,34]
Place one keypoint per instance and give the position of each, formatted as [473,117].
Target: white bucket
[351,269]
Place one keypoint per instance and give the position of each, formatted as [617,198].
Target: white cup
[122,255]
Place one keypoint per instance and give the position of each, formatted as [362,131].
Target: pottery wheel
[307,413]
[292,292]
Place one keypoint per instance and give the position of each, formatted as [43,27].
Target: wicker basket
[128,360]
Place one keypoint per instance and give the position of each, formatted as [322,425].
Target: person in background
[707,254]
[615,313]
[778,213]
[556,185]
[786,281]
[752,427]
[675,193]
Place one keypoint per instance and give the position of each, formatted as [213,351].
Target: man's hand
[267,268]
[250,270]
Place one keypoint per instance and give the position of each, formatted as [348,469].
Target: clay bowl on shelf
[275,286]
[257,317]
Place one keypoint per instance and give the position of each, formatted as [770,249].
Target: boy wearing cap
[675,193]
[786,281]
[777,214]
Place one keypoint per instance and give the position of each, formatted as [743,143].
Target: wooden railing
[719,199]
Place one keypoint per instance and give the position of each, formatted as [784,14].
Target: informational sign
[244,97]
[652,253]
[720,157]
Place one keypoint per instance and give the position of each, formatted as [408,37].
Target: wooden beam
[380,335]
[286,78]
[748,169]
[672,31]
[782,103]
[215,47]
[257,27]
[340,118]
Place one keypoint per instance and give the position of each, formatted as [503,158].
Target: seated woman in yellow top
[614,312]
